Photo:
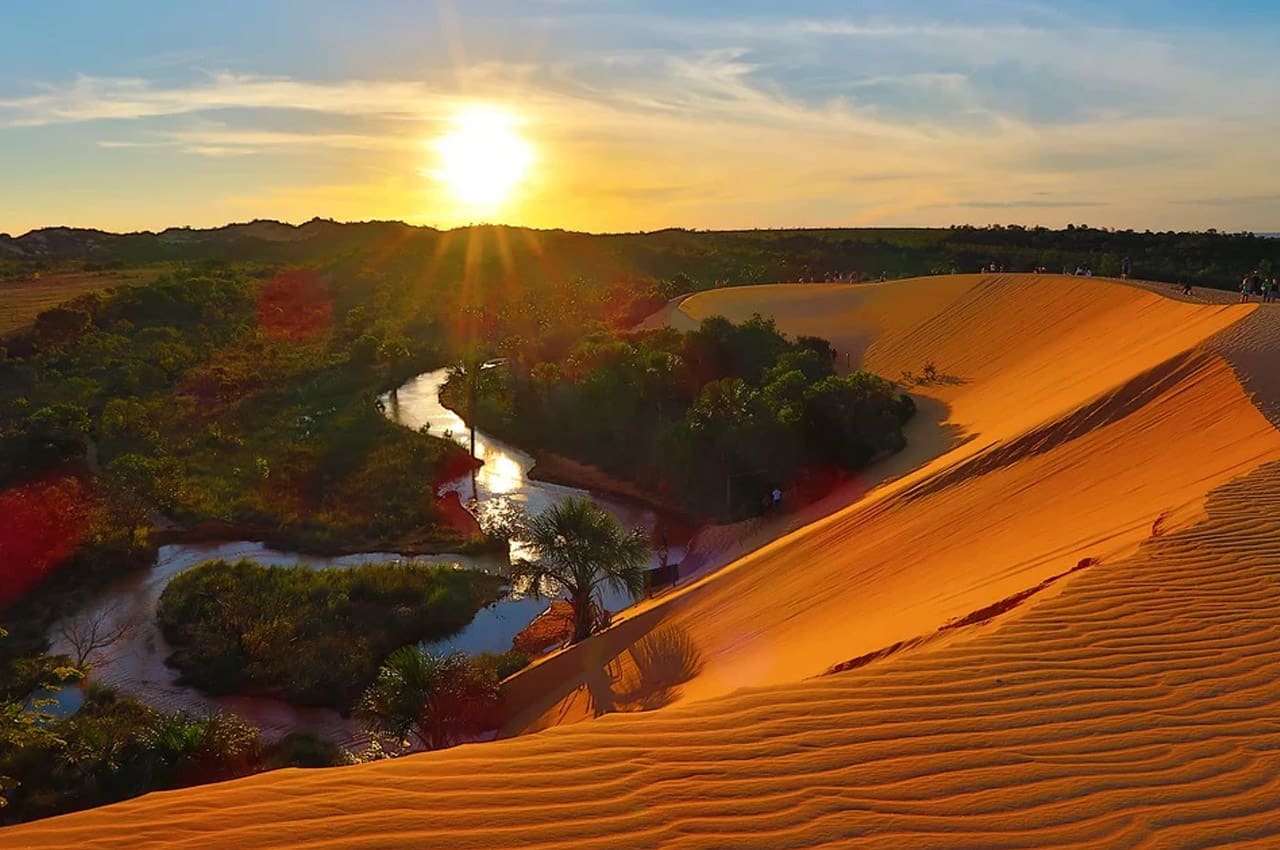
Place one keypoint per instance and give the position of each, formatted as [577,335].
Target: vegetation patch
[712,420]
[235,396]
[313,637]
[112,748]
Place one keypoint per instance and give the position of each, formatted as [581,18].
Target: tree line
[712,420]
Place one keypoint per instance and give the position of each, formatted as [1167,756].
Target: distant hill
[699,258]
[63,243]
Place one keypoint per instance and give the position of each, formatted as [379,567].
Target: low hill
[1050,622]
[683,259]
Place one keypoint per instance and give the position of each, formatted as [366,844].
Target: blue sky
[135,115]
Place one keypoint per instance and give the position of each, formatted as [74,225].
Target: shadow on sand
[647,676]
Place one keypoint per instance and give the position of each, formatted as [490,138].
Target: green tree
[581,549]
[60,428]
[853,418]
[24,720]
[60,327]
[438,699]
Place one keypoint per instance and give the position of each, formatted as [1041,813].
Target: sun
[483,158]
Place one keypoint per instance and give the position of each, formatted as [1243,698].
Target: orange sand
[1130,704]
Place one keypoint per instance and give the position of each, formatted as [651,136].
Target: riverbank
[559,469]
[468,538]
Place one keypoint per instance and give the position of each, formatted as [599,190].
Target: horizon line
[474,225]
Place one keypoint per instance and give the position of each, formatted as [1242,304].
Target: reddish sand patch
[549,629]
[455,465]
[41,523]
[295,305]
[456,516]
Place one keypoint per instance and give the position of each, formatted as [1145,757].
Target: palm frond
[582,548]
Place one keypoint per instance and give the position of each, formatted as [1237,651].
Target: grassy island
[313,637]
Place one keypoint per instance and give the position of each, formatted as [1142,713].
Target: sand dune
[1068,403]
[1056,621]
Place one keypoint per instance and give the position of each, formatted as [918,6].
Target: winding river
[135,663]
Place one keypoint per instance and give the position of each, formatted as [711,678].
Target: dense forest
[711,421]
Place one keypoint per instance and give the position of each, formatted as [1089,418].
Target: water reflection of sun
[501,472]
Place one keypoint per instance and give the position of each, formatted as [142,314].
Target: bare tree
[90,632]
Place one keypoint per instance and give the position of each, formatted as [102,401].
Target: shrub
[437,699]
[504,664]
[304,749]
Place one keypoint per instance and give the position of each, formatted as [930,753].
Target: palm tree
[439,699]
[581,549]
[468,370]
[476,380]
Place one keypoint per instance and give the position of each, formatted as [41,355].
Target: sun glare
[482,158]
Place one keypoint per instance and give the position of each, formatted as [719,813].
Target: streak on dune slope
[1134,705]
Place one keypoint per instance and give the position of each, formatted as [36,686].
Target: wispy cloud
[98,98]
[215,139]
[738,119]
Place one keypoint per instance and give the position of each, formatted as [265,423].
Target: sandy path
[1134,704]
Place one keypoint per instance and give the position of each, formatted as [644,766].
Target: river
[135,662]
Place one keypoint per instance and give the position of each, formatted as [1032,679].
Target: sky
[642,115]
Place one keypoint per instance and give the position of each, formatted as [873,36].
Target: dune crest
[1059,627]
